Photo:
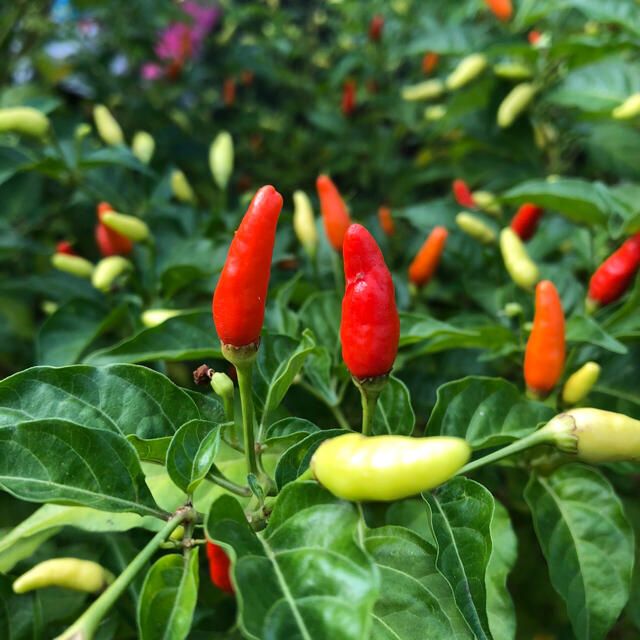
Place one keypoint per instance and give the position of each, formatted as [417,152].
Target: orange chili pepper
[426,261]
[501,9]
[386,221]
[334,211]
[429,61]
[544,356]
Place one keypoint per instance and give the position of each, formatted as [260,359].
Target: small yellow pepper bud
[512,71]
[108,270]
[129,226]
[521,268]
[26,120]
[303,222]
[516,101]
[82,131]
[486,201]
[467,70]
[108,128]
[475,227]
[512,309]
[181,188]
[423,90]
[435,112]
[357,467]
[143,146]
[630,108]
[580,383]
[69,573]
[155,317]
[221,158]
[75,265]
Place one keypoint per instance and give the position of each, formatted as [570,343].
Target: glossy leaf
[394,413]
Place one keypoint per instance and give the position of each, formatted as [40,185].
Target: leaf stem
[334,408]
[85,626]
[245,372]
[229,485]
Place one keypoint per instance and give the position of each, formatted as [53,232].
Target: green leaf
[168,599]
[279,360]
[321,313]
[586,329]
[190,336]
[622,12]
[485,412]
[304,576]
[411,589]
[60,461]
[410,514]
[295,460]
[394,413]
[67,333]
[13,160]
[116,155]
[504,553]
[579,200]
[416,328]
[191,453]
[152,449]
[25,538]
[461,515]
[317,367]
[588,544]
[288,431]
[126,399]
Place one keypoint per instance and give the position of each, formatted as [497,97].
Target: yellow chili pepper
[486,201]
[108,270]
[512,71]
[475,227]
[143,146]
[70,573]
[356,467]
[630,108]
[516,101]
[580,383]
[423,90]
[181,188]
[129,226]
[221,158]
[25,120]
[304,223]
[108,128]
[466,71]
[521,268]
[435,112]
[75,265]
[154,317]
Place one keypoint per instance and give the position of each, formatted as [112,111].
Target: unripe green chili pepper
[435,112]
[181,188]
[475,227]
[423,90]
[75,265]
[630,108]
[303,222]
[69,573]
[26,120]
[467,70]
[521,268]
[512,71]
[222,384]
[512,309]
[155,317]
[595,435]
[355,467]
[221,158]
[143,146]
[514,104]
[108,128]
[129,226]
[240,296]
[580,383]
[108,270]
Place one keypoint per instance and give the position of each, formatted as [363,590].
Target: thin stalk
[370,390]
[533,439]
[85,626]
[229,485]
[335,409]
[245,371]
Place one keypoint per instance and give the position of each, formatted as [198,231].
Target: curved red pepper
[525,221]
[462,194]
[334,211]
[370,327]
[375,27]
[348,102]
[110,242]
[240,296]
[65,247]
[219,565]
[614,275]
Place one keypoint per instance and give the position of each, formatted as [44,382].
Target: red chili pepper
[425,263]
[533,36]
[110,242]
[614,275]
[429,61]
[370,327]
[229,91]
[544,355]
[348,102]
[501,9]
[247,77]
[334,211]
[219,565]
[240,296]
[462,194]
[65,247]
[375,27]
[386,221]
[525,222]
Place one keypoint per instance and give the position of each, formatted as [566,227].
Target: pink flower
[151,71]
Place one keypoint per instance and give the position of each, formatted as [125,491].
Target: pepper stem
[85,626]
[370,390]
[243,358]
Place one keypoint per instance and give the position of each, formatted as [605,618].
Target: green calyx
[241,356]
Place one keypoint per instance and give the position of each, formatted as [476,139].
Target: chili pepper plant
[320,320]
